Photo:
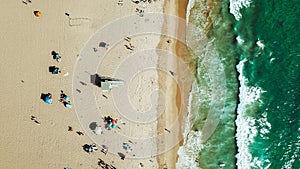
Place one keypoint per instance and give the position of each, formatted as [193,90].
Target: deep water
[267,38]
[275,69]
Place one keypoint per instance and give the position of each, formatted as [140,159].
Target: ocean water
[269,48]
[215,97]
[246,103]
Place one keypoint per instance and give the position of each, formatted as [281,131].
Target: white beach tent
[97,130]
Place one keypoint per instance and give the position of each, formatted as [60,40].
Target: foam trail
[246,130]
[260,44]
[236,5]
[240,40]
[188,153]
[188,10]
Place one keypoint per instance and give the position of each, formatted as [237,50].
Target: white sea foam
[188,10]
[240,40]
[236,5]
[264,125]
[246,130]
[188,153]
[289,164]
[272,59]
[260,44]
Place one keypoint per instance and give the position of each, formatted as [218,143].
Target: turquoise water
[270,31]
[274,69]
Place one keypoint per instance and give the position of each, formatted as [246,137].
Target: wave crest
[236,5]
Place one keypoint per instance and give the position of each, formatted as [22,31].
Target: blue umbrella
[48,100]
[66,97]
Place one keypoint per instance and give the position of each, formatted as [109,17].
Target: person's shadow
[53,69]
[53,53]
[43,96]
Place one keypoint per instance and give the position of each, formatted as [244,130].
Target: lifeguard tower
[105,83]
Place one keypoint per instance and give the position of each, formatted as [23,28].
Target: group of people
[55,69]
[47,98]
[143,4]
[104,165]
[65,100]
[90,148]
[63,97]
[110,122]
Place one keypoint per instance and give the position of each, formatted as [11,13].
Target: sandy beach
[68,28]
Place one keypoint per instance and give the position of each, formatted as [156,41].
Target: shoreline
[169,159]
[53,32]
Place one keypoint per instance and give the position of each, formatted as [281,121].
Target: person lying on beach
[120,3]
[79,133]
[139,12]
[104,149]
[26,1]
[67,104]
[101,163]
[136,2]
[63,96]
[104,45]
[35,120]
[129,48]
[65,99]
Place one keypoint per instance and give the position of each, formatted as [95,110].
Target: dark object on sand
[122,156]
[103,45]
[168,130]
[37,13]
[101,163]
[141,164]
[90,148]
[104,149]
[79,133]
[54,70]
[47,98]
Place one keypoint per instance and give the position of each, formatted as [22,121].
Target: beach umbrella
[113,126]
[57,56]
[66,97]
[89,149]
[98,130]
[48,100]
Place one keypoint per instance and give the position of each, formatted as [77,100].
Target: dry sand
[27,42]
